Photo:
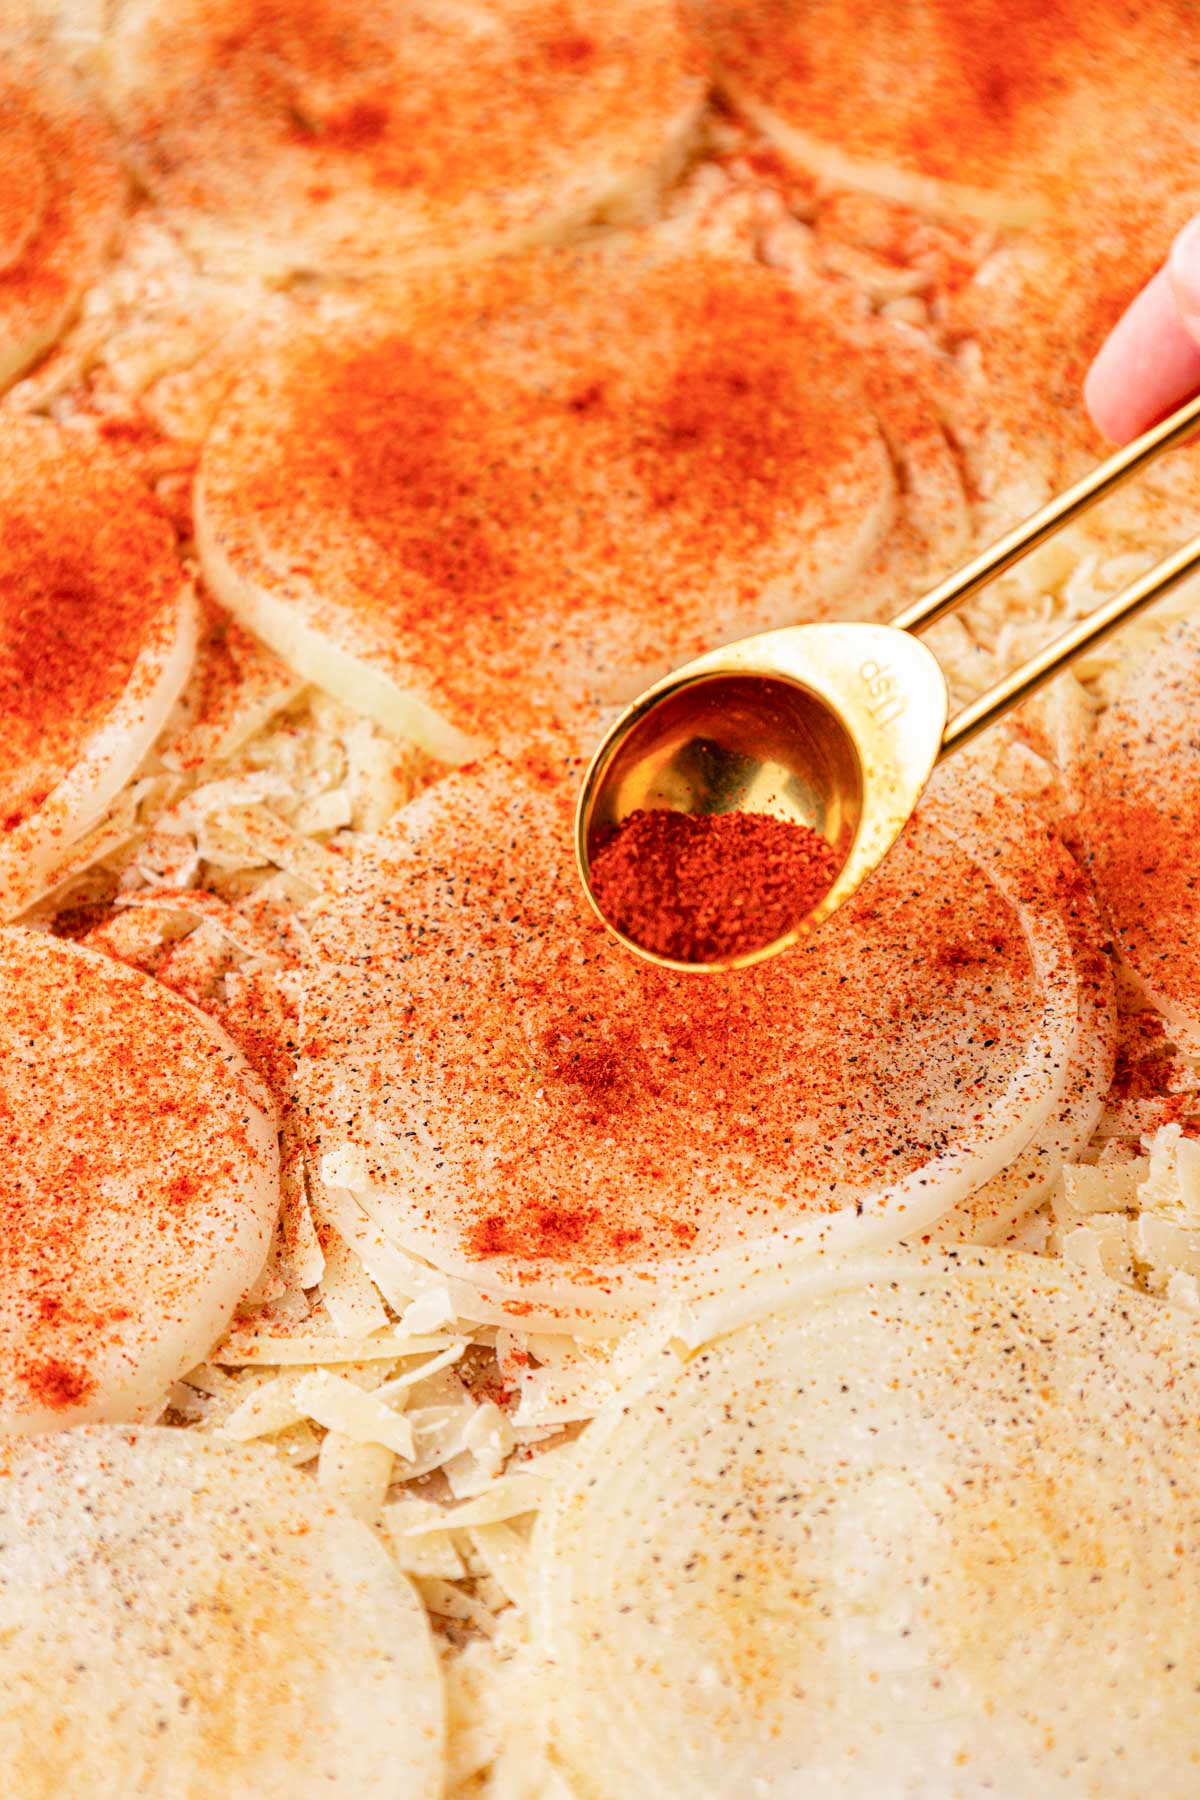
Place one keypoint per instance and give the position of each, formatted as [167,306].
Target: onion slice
[955,106]
[569,1134]
[999,828]
[97,638]
[930,1527]
[351,137]
[545,484]
[177,1618]
[138,1189]
[61,193]
[1140,816]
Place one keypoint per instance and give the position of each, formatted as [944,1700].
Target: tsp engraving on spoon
[887,700]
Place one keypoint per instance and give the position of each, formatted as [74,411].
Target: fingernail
[1150,363]
[1184,266]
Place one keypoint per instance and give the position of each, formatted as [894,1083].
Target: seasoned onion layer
[928,1527]
[567,1132]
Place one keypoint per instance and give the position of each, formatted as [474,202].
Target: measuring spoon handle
[1016,544]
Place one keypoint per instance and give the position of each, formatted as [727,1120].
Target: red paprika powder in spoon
[703,887]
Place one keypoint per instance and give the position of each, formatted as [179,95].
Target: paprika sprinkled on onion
[306,134]
[1140,816]
[569,1133]
[964,105]
[97,637]
[60,200]
[138,1185]
[546,484]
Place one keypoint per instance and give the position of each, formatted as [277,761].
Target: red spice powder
[982,91]
[704,887]
[58,1384]
[126,1175]
[495,500]
[401,122]
[89,579]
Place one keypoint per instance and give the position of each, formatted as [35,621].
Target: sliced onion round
[956,106]
[182,1619]
[60,202]
[569,1134]
[97,638]
[546,484]
[139,1185]
[929,1528]
[1140,814]
[995,826]
[343,137]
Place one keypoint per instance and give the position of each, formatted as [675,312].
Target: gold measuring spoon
[839,726]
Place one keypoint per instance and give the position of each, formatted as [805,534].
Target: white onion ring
[1140,815]
[569,1137]
[930,1528]
[984,818]
[182,1618]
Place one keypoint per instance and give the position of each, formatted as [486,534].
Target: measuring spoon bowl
[832,726]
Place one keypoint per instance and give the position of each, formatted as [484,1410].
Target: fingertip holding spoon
[838,727]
